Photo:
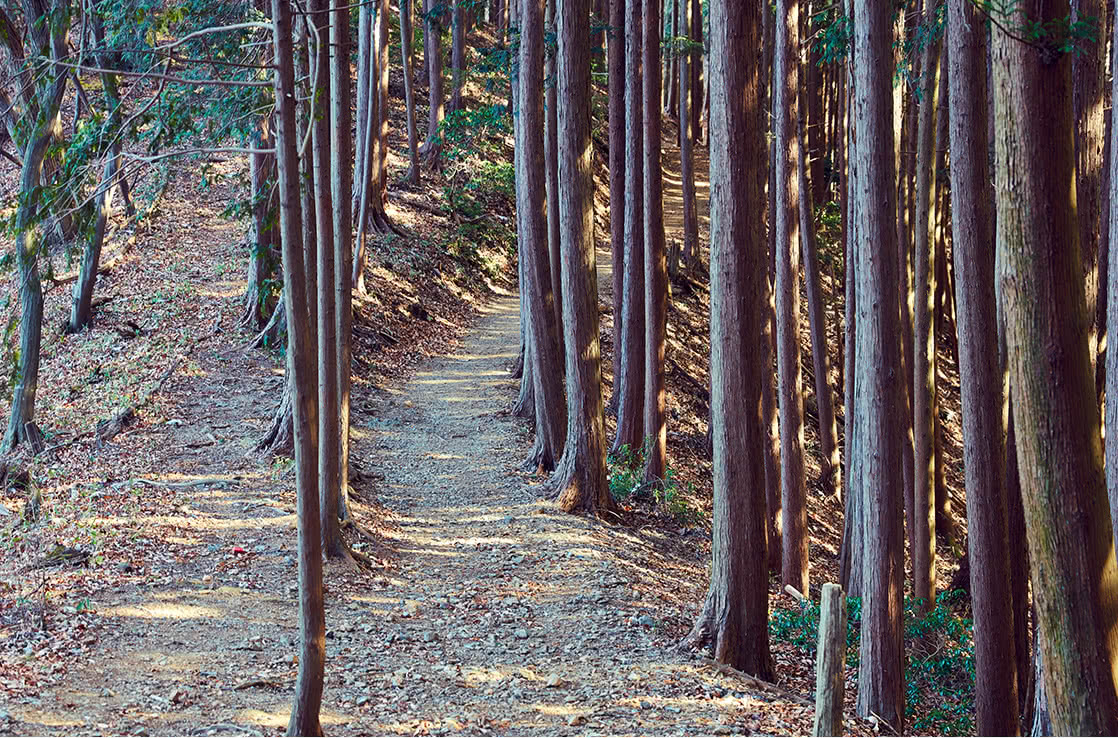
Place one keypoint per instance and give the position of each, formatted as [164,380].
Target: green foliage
[939,669]
[626,482]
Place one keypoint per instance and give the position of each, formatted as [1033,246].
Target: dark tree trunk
[878,398]
[301,367]
[734,620]
[579,481]
[629,376]
[457,55]
[1056,420]
[409,91]
[690,250]
[655,259]
[551,125]
[547,380]
[785,81]
[432,50]
[616,68]
[983,397]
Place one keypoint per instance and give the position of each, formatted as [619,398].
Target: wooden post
[830,660]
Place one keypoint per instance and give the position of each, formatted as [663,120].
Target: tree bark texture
[1074,576]
[794,568]
[629,375]
[550,412]
[655,260]
[878,399]
[734,619]
[615,59]
[301,366]
[983,398]
[580,480]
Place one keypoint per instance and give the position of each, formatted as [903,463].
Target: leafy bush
[939,668]
[626,481]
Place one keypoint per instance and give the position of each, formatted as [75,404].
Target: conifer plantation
[558,367]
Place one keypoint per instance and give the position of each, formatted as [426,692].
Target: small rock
[646,621]
[521,633]
[646,705]
[4,511]
[575,720]
[362,700]
[722,730]
[427,636]
[673,708]
[207,579]
[554,680]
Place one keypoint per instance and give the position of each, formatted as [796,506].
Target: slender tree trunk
[457,55]
[655,260]
[1074,576]
[432,50]
[924,346]
[696,85]
[364,104]
[548,390]
[616,69]
[579,480]
[81,306]
[686,149]
[734,619]
[878,390]
[817,320]
[321,142]
[301,367]
[785,81]
[983,398]
[551,126]
[341,148]
[43,126]
[629,376]
[1089,81]
[409,92]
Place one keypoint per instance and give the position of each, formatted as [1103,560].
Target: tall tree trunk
[686,149]
[409,91]
[341,148]
[983,398]
[734,619]
[551,143]
[81,306]
[432,50]
[616,68]
[43,126]
[321,143]
[579,480]
[785,82]
[817,320]
[815,126]
[924,344]
[1056,420]
[548,390]
[629,377]
[301,366]
[655,260]
[457,54]
[1111,296]
[1089,80]
[878,396]
[696,85]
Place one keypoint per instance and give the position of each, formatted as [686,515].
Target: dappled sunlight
[162,610]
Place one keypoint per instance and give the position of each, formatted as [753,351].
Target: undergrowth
[939,668]
[626,483]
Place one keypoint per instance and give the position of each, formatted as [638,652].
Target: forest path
[505,614]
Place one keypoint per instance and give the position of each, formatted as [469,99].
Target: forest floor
[485,611]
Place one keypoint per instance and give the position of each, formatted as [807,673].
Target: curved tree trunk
[983,398]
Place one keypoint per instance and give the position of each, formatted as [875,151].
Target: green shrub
[939,665]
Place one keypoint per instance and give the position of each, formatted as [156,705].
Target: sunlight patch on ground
[160,611]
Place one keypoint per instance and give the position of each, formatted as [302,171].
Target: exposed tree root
[279,440]
[274,333]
